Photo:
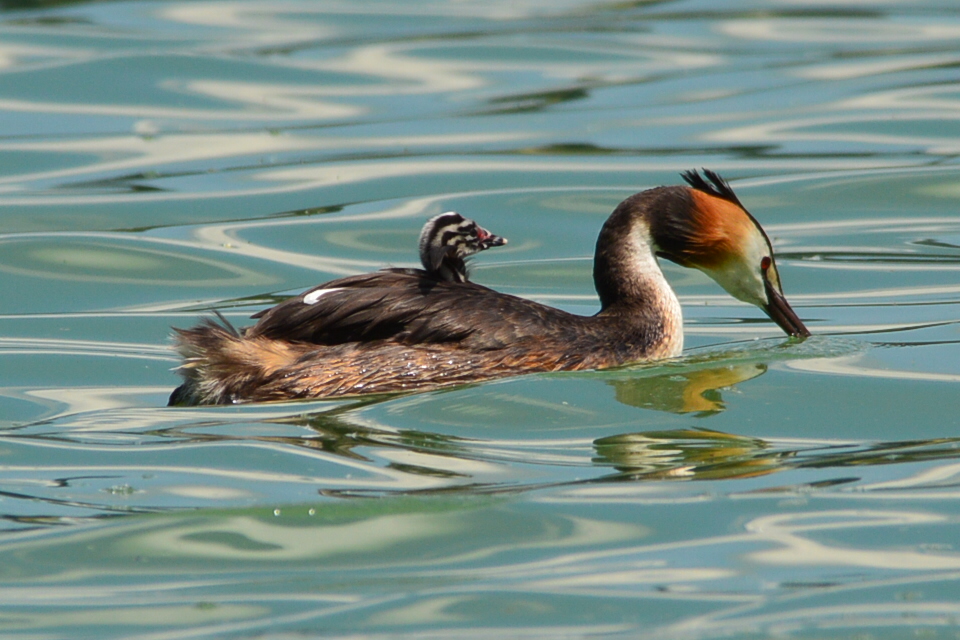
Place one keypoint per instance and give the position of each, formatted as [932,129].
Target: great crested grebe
[447,239]
[405,329]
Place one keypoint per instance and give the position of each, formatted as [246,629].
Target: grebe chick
[405,330]
[447,239]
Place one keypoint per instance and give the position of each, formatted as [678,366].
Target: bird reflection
[337,433]
[690,390]
[687,391]
[704,454]
[700,454]
[693,387]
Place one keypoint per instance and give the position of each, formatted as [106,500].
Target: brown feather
[723,226]
[430,350]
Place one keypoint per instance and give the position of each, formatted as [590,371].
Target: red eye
[765,263]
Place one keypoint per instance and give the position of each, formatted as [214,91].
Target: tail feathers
[221,366]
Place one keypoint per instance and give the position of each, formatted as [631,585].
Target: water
[159,160]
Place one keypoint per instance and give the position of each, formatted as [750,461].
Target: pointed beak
[780,312]
[487,239]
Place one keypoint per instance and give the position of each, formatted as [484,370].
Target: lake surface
[160,160]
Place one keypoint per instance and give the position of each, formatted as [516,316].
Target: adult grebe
[397,330]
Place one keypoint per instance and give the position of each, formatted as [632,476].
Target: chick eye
[765,263]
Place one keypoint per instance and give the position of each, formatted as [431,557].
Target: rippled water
[159,160]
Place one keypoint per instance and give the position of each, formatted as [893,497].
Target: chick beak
[487,239]
[780,312]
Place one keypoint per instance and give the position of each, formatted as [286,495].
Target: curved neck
[631,284]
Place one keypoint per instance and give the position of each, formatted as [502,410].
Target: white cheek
[743,283]
[741,277]
[313,296]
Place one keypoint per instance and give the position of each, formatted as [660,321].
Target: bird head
[712,231]
[451,236]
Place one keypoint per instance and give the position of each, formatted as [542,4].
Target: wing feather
[409,306]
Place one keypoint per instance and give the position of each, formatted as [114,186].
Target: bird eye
[765,263]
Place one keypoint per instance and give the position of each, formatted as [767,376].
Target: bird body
[405,329]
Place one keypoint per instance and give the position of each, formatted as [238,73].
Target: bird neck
[632,286]
[453,269]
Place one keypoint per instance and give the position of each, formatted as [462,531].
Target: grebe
[447,239]
[397,330]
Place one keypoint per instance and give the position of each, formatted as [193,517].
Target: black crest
[716,187]
[227,324]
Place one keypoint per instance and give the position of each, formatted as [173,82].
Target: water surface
[160,160]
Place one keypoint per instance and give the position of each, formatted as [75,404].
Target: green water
[159,160]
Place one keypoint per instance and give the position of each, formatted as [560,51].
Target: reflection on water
[347,449]
[688,454]
[543,572]
[702,454]
[693,390]
[102,259]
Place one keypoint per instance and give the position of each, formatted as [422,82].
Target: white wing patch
[313,296]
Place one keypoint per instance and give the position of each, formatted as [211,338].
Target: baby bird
[447,239]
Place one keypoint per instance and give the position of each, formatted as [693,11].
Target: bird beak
[780,312]
[488,240]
